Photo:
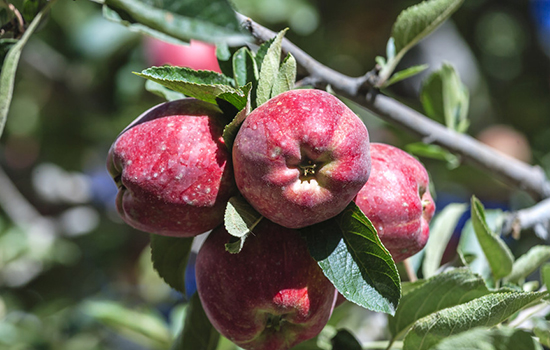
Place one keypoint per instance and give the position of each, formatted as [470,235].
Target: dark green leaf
[487,311]
[545,275]
[5,46]
[31,8]
[244,67]
[9,67]
[446,99]
[404,74]
[230,131]
[240,219]
[344,340]
[434,152]
[269,69]
[207,20]
[498,254]
[439,292]
[198,333]
[355,261]
[528,263]
[224,53]
[162,91]
[170,256]
[502,338]
[286,77]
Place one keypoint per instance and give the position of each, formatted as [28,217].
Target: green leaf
[404,74]
[441,230]
[437,293]
[244,67]
[497,252]
[487,311]
[528,263]
[269,69]
[286,77]
[31,8]
[545,275]
[162,91]
[502,338]
[542,331]
[352,257]
[198,333]
[170,256]
[434,152]
[446,99]
[203,85]
[407,287]
[240,219]
[9,67]
[207,20]
[344,340]
[230,131]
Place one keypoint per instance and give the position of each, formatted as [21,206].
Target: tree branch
[359,89]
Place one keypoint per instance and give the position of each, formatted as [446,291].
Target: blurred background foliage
[73,276]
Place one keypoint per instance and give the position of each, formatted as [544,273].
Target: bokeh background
[73,276]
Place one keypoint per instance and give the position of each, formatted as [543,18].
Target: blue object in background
[540,11]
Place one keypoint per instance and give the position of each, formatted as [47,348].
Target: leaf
[404,74]
[344,340]
[197,333]
[162,91]
[441,230]
[434,152]
[269,69]
[352,257]
[542,331]
[545,275]
[240,219]
[446,99]
[487,311]
[528,263]
[203,85]
[407,287]
[286,77]
[437,293]
[211,21]
[9,67]
[170,256]
[502,338]
[31,8]
[498,254]
[230,131]
[244,67]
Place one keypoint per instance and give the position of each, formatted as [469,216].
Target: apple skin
[197,55]
[173,169]
[301,157]
[273,278]
[397,200]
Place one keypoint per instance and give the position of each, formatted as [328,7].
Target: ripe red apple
[173,169]
[197,55]
[270,296]
[397,200]
[301,157]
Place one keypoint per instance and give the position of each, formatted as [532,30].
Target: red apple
[197,55]
[173,169]
[270,296]
[301,157]
[397,200]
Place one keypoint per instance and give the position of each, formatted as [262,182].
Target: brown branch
[359,89]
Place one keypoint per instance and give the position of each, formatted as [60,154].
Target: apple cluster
[299,159]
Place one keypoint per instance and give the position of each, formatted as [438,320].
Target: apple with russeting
[270,296]
[173,169]
[301,157]
[397,200]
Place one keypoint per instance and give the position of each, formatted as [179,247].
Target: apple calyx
[275,322]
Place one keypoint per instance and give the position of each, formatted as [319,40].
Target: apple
[173,169]
[301,157]
[397,200]
[270,296]
[197,55]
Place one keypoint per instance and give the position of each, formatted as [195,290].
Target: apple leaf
[441,230]
[502,338]
[286,76]
[407,287]
[203,85]
[434,152]
[352,257]
[345,340]
[528,263]
[269,69]
[545,275]
[197,333]
[9,66]
[170,256]
[498,254]
[244,67]
[240,219]
[404,74]
[262,51]
[230,131]
[542,331]
[176,21]
[487,311]
[439,292]
[163,91]
[446,99]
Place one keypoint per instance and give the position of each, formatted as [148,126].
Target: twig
[411,274]
[536,217]
[513,172]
